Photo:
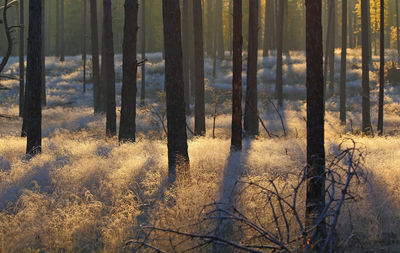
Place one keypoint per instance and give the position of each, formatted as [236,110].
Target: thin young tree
[251,111]
[109,71]
[236,138]
[315,200]
[95,55]
[34,70]
[57,28]
[381,68]
[62,32]
[343,64]
[279,56]
[127,126]
[21,58]
[178,157]
[199,108]
[143,43]
[366,116]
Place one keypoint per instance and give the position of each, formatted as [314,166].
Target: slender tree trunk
[58,28]
[84,35]
[178,158]
[219,30]
[251,111]
[366,117]
[34,79]
[343,64]
[230,24]
[127,127]
[332,38]
[382,68]
[95,55]
[199,108]
[279,59]
[62,49]
[43,53]
[398,31]
[236,141]
[21,58]
[109,72]
[315,201]
[267,32]
[350,26]
[214,39]
[186,29]
[143,30]
[209,30]
[191,52]
[149,30]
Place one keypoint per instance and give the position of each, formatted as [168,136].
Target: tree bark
[21,58]
[62,49]
[186,29]
[343,64]
[279,59]
[95,55]
[199,108]
[315,201]
[129,67]
[381,69]
[143,35]
[178,158]
[267,25]
[366,117]
[251,110]
[43,53]
[109,72]
[34,79]
[236,139]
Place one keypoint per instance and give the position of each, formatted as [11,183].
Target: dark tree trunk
[58,28]
[43,53]
[230,24]
[109,72]
[84,34]
[178,158]
[398,31]
[366,117]
[381,69]
[214,40]
[95,55]
[251,111]
[199,108]
[191,51]
[127,127]
[21,58]
[62,49]
[219,30]
[186,29]
[48,27]
[209,30]
[236,141]
[267,25]
[34,80]
[279,60]
[143,37]
[350,26]
[330,49]
[343,64]
[315,201]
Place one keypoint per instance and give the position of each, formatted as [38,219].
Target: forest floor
[86,192]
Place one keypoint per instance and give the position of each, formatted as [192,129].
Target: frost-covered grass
[87,192]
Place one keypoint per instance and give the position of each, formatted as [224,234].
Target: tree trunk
[315,201]
[329,66]
[199,108]
[219,30]
[214,39]
[236,141]
[43,53]
[381,69]
[62,49]
[398,31]
[84,34]
[209,30]
[143,37]
[129,67]
[230,24]
[178,158]
[366,117]
[267,25]
[251,110]
[95,55]
[186,29]
[21,58]
[109,72]
[350,26]
[279,60]
[343,65]
[58,28]
[34,79]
